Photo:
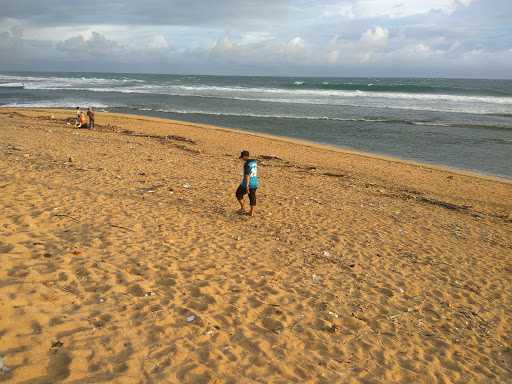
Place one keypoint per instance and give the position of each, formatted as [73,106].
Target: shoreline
[290,140]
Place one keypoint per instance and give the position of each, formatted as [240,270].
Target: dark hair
[244,153]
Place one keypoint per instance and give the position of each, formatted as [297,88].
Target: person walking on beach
[249,184]
[90,115]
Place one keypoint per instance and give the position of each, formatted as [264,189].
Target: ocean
[460,123]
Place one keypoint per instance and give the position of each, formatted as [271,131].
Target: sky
[399,38]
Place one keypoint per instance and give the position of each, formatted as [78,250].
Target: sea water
[459,123]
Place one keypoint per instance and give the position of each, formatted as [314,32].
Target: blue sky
[449,38]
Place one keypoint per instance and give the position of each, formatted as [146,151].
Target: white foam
[257,115]
[317,118]
[11,85]
[431,123]
[55,104]
[91,83]
[355,98]
[323,96]
[55,82]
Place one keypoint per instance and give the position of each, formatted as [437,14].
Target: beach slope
[123,260]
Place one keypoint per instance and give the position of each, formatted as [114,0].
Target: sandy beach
[124,260]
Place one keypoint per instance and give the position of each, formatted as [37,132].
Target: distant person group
[81,120]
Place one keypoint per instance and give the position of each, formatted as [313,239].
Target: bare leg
[242,205]
[251,212]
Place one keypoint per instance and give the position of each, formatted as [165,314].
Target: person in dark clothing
[77,121]
[249,184]
[90,115]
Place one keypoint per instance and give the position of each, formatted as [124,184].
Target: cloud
[225,47]
[375,38]
[360,9]
[339,37]
[14,49]
[95,45]
[296,46]
[148,12]
[362,50]
[158,42]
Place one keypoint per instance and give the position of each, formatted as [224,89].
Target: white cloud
[223,47]
[264,49]
[372,41]
[256,37]
[375,38]
[358,9]
[90,44]
[158,42]
[296,46]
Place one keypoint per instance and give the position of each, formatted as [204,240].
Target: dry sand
[123,260]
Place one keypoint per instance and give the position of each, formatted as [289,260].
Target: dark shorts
[240,193]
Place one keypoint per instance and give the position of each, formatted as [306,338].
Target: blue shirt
[251,169]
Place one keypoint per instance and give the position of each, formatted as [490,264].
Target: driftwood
[341,175]
[269,157]
[69,217]
[120,227]
[157,137]
[443,204]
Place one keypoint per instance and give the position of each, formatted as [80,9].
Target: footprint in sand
[6,248]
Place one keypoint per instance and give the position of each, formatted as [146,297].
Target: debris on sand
[4,369]
[270,157]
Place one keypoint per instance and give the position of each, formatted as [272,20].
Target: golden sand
[123,260]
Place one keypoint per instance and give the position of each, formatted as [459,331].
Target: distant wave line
[224,92]
[323,118]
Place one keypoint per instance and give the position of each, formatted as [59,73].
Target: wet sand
[124,260]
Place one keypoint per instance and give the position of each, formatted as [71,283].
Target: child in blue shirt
[249,184]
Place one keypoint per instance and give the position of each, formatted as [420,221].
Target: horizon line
[259,75]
